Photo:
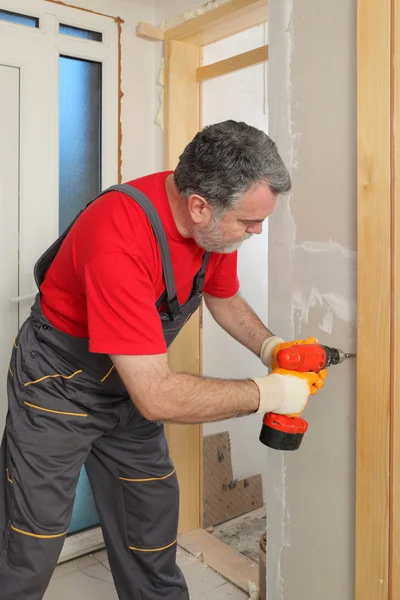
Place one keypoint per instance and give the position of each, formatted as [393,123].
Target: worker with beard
[89,382]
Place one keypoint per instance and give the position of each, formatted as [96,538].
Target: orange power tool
[283,432]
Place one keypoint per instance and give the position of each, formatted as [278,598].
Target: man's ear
[199,209]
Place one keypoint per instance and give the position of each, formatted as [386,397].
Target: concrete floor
[90,578]
[243,534]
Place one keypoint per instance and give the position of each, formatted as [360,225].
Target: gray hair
[225,160]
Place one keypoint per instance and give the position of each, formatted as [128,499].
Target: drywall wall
[312,291]
[239,96]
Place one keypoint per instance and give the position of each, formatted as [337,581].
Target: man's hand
[273,345]
[321,374]
[268,349]
[315,380]
[287,392]
[278,347]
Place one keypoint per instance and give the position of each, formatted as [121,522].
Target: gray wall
[312,291]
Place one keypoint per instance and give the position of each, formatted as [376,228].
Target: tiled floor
[89,578]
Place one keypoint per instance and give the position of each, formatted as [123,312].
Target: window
[80,136]
[81,33]
[11,17]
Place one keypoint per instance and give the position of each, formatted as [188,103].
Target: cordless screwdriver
[286,432]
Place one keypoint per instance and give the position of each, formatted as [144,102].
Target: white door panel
[38,159]
[9,191]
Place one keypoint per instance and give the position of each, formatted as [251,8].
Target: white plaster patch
[327,322]
[191,14]
[326,247]
[325,276]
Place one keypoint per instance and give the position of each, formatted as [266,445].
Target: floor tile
[101,555]
[199,577]
[182,556]
[223,592]
[65,569]
[87,578]
[106,564]
[92,583]
[74,565]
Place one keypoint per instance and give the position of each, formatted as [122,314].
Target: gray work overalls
[68,407]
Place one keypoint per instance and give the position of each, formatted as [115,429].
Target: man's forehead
[258,202]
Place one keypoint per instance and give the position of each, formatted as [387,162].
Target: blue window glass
[80,88]
[12,17]
[80,136]
[81,33]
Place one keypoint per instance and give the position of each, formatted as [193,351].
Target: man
[89,381]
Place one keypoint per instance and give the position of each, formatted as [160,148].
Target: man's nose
[256,228]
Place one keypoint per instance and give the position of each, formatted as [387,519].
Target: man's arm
[161,395]
[241,322]
[238,319]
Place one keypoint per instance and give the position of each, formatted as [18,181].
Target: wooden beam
[150,32]
[221,22]
[394,513]
[374,301]
[182,98]
[235,63]
[181,123]
[230,564]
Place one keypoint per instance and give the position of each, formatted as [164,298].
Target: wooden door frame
[378,345]
[183,76]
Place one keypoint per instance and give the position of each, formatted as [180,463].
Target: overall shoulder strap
[199,279]
[42,265]
[152,214]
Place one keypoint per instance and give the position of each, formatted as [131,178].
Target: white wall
[239,96]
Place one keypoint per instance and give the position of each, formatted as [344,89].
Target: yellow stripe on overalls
[149,479]
[52,377]
[56,412]
[36,535]
[152,549]
[107,374]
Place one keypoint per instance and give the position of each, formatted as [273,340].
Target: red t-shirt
[107,276]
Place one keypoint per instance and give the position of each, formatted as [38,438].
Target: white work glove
[286,392]
[267,349]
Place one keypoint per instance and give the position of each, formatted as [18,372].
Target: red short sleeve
[121,311]
[224,281]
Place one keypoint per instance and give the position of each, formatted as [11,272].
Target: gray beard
[211,240]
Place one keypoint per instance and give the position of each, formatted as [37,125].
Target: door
[9,189]
[59,74]
[26,191]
